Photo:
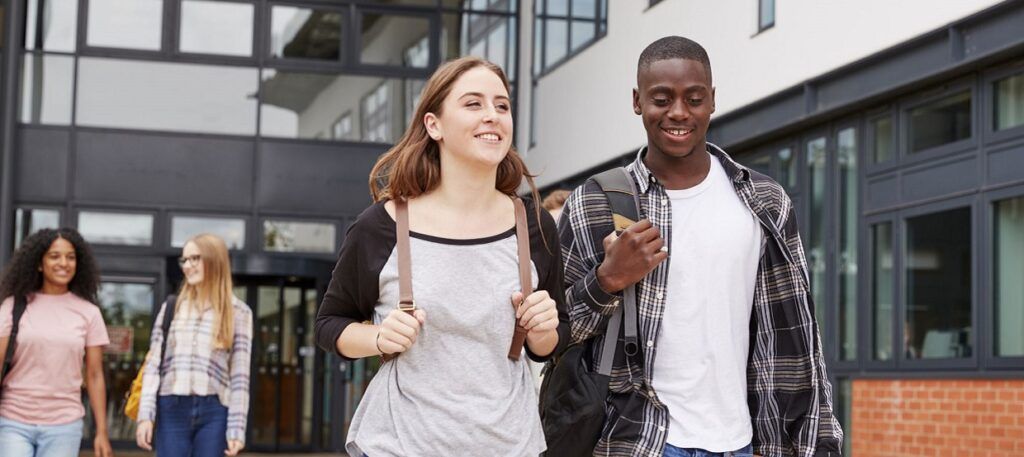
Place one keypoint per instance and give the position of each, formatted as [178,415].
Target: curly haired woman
[41,405]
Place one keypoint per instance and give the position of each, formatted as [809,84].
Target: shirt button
[650,343]
[616,302]
[661,428]
[660,295]
[651,393]
[664,201]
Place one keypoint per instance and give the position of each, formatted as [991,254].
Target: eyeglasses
[192,260]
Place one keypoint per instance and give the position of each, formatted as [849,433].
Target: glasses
[190,260]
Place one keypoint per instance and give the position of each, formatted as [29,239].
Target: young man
[730,360]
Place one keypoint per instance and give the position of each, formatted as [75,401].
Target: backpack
[573,395]
[20,303]
[134,394]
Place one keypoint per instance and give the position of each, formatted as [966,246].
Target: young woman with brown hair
[456,388]
[198,393]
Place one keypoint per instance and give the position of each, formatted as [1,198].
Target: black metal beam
[8,119]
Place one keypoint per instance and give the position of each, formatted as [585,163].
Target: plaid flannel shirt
[788,390]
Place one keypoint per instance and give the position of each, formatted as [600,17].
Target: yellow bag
[134,394]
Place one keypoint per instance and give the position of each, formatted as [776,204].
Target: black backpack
[573,395]
[20,303]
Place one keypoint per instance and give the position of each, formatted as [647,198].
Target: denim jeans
[25,440]
[190,426]
[672,451]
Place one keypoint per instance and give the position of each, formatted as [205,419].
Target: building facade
[897,127]
[898,130]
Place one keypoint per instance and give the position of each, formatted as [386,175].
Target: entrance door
[286,386]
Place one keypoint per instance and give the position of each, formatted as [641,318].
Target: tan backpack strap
[405,300]
[525,277]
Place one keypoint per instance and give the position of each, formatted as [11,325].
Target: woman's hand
[234,447]
[144,435]
[537,313]
[399,330]
[101,446]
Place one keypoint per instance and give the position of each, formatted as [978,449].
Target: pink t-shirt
[44,386]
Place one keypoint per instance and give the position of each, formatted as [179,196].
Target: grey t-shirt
[455,391]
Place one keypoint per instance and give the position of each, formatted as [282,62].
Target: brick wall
[910,418]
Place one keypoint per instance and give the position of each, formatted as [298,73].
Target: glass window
[816,159]
[938,271]
[1009,105]
[231,230]
[127,312]
[375,119]
[30,220]
[305,33]
[565,27]
[127,24]
[787,167]
[116,228]
[846,145]
[508,6]
[212,27]
[882,284]
[316,105]
[762,164]
[1008,259]
[46,88]
[54,28]
[766,13]
[386,37]
[293,236]
[490,36]
[167,96]
[882,130]
[940,122]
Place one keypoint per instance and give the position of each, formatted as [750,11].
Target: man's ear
[636,101]
[433,126]
[712,100]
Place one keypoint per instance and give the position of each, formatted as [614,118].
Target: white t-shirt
[700,368]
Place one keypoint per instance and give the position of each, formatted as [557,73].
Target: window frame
[257,35]
[866,317]
[168,26]
[988,104]
[833,237]
[355,24]
[61,218]
[987,279]
[340,226]
[929,96]
[167,239]
[870,135]
[600,31]
[966,363]
[155,232]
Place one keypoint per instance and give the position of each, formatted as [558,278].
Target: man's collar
[644,177]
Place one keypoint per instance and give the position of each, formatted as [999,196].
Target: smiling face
[475,123]
[675,99]
[192,263]
[59,264]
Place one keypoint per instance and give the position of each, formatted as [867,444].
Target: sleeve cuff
[591,293]
[236,435]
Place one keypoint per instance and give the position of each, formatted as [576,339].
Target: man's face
[675,99]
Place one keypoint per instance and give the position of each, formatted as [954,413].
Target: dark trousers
[190,426]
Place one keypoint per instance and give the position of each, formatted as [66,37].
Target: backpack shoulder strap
[525,275]
[20,304]
[619,188]
[165,325]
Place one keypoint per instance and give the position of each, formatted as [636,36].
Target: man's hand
[631,256]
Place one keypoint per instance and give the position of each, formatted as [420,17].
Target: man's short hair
[673,47]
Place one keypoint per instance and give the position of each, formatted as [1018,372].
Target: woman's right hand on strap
[144,435]
[399,330]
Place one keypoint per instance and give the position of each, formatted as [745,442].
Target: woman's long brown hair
[215,289]
[413,166]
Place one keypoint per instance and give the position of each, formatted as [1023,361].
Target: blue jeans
[190,426]
[25,440]
[672,451]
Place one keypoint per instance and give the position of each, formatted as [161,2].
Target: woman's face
[476,120]
[59,263]
[191,263]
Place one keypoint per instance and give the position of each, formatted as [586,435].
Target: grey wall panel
[126,266]
[782,109]
[997,32]
[943,179]
[41,165]
[164,170]
[314,178]
[878,75]
[1006,165]
[882,192]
